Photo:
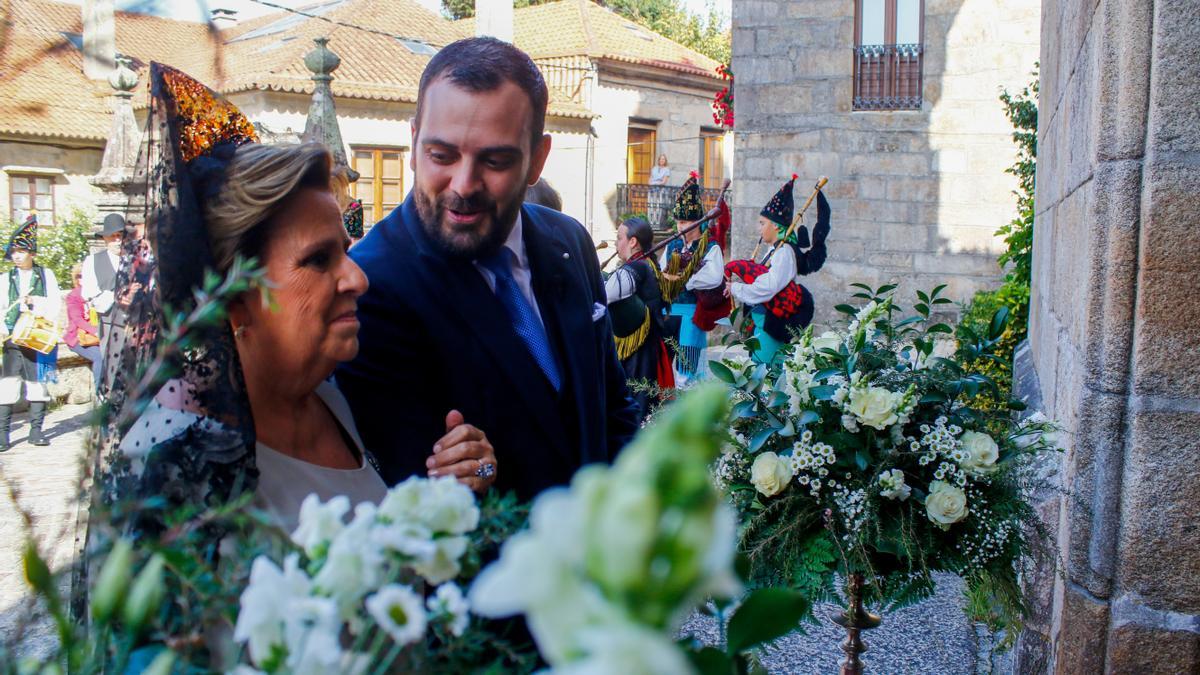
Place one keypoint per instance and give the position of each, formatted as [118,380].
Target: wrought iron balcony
[888,77]
[654,202]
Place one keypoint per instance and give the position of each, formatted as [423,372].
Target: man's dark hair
[482,64]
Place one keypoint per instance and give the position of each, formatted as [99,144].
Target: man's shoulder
[387,249]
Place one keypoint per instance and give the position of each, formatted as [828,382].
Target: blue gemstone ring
[486,470]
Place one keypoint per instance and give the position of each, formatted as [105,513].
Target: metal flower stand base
[855,619]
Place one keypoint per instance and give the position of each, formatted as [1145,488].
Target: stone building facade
[1114,340]
[917,194]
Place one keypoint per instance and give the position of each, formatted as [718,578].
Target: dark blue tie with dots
[525,320]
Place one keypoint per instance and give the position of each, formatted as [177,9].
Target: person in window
[660,194]
[636,307]
[82,334]
[660,173]
[28,288]
[779,305]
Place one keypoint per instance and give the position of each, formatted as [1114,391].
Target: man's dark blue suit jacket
[435,337]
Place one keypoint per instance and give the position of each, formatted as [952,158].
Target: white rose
[874,406]
[827,340]
[770,474]
[982,452]
[892,486]
[945,504]
[264,604]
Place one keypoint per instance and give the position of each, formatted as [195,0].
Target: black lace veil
[177,424]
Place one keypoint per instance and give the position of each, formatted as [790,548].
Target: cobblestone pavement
[46,481]
[931,638]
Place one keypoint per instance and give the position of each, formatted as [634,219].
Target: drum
[36,333]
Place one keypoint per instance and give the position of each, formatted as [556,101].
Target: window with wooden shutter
[712,158]
[639,158]
[888,54]
[380,184]
[27,192]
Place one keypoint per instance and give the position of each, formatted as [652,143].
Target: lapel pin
[566,256]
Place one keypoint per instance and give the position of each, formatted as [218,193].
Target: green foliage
[1022,110]
[837,451]
[709,34]
[60,246]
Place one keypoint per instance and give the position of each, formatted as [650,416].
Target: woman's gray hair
[259,181]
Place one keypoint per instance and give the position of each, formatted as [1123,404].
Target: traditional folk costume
[635,305]
[778,304]
[697,296]
[32,291]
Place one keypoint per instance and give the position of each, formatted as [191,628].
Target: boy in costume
[26,288]
[693,281]
[777,303]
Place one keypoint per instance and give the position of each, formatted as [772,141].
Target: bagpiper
[778,304]
[636,306]
[693,281]
[28,288]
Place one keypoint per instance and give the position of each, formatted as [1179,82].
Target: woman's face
[316,286]
[662,160]
[768,230]
[627,246]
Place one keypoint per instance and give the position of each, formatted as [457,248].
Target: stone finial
[321,126]
[123,79]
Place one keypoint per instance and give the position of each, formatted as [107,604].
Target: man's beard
[469,242]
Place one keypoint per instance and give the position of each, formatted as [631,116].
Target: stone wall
[1114,339]
[916,195]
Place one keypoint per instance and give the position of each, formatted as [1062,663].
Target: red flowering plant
[723,101]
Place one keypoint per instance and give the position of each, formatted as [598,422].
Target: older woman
[275,204]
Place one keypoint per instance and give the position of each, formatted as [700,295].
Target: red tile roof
[43,91]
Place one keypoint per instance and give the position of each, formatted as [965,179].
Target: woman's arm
[766,286]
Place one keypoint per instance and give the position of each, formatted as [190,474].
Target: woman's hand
[465,453]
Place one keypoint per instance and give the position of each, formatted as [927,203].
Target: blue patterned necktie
[525,321]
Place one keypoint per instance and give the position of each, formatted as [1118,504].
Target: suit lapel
[560,291]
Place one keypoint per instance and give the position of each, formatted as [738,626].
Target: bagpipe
[788,301]
[715,213]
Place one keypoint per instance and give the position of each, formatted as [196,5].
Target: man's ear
[412,156]
[538,161]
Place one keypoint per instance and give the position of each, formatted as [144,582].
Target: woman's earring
[239,332]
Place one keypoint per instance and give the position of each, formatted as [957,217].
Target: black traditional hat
[25,238]
[687,203]
[779,210]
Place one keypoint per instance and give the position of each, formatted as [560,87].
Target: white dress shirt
[101,298]
[522,274]
[767,286]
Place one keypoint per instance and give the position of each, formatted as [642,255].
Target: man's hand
[464,452]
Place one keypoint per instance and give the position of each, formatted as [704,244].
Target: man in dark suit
[480,307]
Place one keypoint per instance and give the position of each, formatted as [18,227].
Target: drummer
[31,289]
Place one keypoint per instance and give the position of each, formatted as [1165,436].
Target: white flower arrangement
[292,619]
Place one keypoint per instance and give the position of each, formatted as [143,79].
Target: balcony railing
[888,77]
[656,201]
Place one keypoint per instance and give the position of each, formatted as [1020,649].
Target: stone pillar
[321,126]
[1114,338]
[119,162]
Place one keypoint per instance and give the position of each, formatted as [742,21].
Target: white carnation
[320,523]
[448,603]
[399,612]
[892,485]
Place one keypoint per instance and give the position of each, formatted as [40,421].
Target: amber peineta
[205,119]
